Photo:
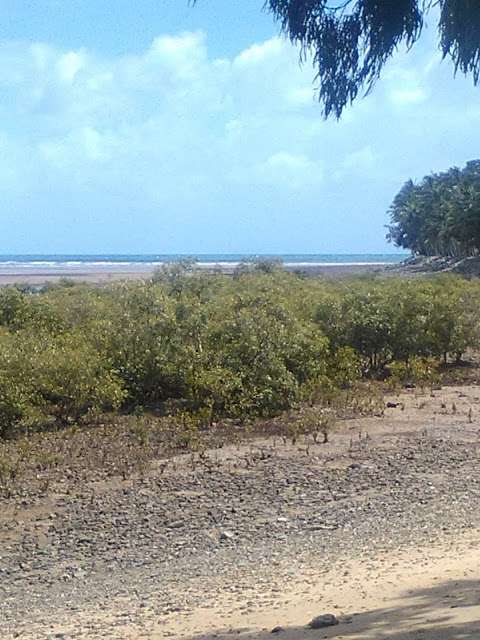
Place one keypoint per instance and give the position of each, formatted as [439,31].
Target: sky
[149,126]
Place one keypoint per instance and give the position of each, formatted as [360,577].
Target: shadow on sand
[450,611]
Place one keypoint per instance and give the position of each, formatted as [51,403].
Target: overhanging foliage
[351,40]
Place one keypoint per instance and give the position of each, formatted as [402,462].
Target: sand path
[420,594]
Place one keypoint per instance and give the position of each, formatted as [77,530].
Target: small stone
[277,630]
[325,620]
[226,535]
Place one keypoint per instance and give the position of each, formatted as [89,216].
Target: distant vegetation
[207,347]
[440,215]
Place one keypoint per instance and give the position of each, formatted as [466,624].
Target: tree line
[440,215]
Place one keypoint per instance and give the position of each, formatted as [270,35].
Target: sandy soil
[381,527]
[425,593]
[420,594]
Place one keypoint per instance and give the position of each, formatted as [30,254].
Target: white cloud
[258,54]
[282,170]
[408,96]
[69,65]
[364,158]
[184,140]
[301,96]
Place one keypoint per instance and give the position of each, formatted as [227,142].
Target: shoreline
[97,275]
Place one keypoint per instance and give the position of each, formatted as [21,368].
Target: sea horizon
[128,262]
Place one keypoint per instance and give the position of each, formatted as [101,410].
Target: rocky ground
[140,557]
[468,267]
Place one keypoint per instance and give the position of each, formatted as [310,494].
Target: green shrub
[216,346]
[12,306]
[46,379]
[73,380]
[16,405]
[267,355]
[417,371]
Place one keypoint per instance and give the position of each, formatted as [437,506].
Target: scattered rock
[325,620]
[277,630]
[226,535]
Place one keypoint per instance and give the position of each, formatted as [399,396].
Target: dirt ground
[380,527]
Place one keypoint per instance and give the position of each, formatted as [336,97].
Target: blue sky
[153,127]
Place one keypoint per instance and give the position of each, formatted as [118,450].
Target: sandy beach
[8,277]
[95,275]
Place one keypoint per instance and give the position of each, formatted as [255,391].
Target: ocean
[38,263]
